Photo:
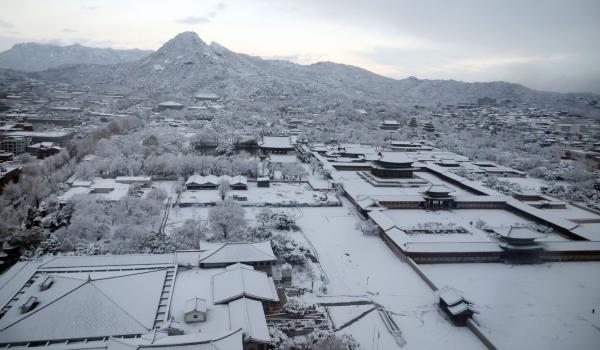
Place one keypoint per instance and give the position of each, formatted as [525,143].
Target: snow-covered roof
[276,142]
[242,281]
[42,145]
[450,296]
[170,103]
[195,304]
[206,96]
[233,252]
[234,180]
[81,183]
[133,179]
[543,215]
[396,158]
[88,308]
[381,219]
[230,340]
[248,315]
[518,233]
[215,180]
[439,189]
[103,183]
[108,260]
[458,308]
[202,180]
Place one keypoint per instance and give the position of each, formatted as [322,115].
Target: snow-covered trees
[314,165]
[226,219]
[25,239]
[290,171]
[263,217]
[317,340]
[188,236]
[502,186]
[368,227]
[297,307]
[204,138]
[223,188]
[279,220]
[587,192]
[225,149]
[119,225]
[328,340]
[157,243]
[289,250]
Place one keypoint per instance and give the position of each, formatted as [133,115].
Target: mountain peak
[184,41]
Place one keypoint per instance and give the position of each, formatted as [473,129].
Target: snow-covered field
[279,193]
[363,267]
[548,306]
[495,218]
[529,183]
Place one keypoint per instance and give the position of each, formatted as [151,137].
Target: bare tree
[226,218]
[223,188]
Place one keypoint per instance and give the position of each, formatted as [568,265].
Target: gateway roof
[248,315]
[233,252]
[242,281]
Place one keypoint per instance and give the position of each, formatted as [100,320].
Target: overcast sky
[544,44]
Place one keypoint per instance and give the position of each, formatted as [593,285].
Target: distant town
[206,220]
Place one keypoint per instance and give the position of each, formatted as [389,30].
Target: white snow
[547,306]
[347,257]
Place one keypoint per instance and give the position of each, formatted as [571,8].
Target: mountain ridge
[185,64]
[32,57]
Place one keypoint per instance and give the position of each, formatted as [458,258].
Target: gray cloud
[89,8]
[5,24]
[540,43]
[205,18]
[68,30]
[92,42]
[193,20]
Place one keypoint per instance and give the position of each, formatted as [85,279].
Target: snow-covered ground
[178,215]
[362,267]
[495,218]
[341,315]
[548,306]
[529,183]
[278,193]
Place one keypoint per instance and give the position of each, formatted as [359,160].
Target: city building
[15,144]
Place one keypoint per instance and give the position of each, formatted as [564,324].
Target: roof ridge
[53,258]
[207,341]
[260,250]
[241,271]
[247,317]
[214,251]
[250,244]
[53,274]
[119,306]
[131,274]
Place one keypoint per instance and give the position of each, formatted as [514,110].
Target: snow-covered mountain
[185,65]
[31,57]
